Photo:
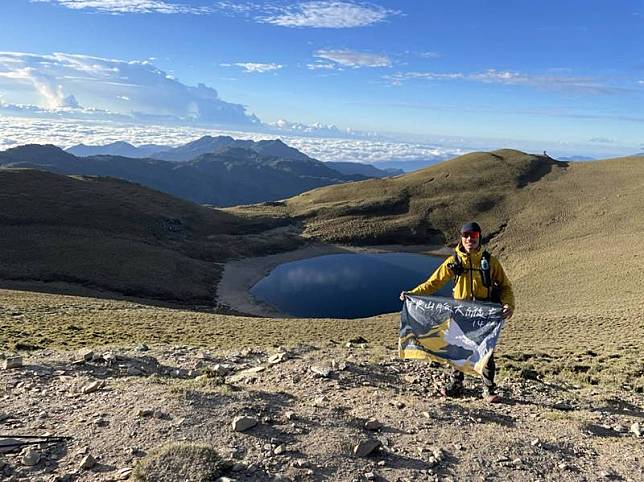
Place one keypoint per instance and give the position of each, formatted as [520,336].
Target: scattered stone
[289,415]
[366,447]
[30,457]
[636,429]
[86,354]
[241,424]
[535,442]
[93,386]
[277,358]
[324,372]
[372,424]
[123,474]
[280,449]
[370,476]
[12,362]
[88,462]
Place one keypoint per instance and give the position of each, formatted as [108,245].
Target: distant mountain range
[219,144]
[229,177]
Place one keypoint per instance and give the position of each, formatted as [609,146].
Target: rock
[372,424]
[563,466]
[280,449]
[277,358]
[366,447]
[243,374]
[142,347]
[619,428]
[370,476]
[324,372]
[30,457]
[12,362]
[123,474]
[358,340]
[133,371]
[93,387]
[535,442]
[225,479]
[88,462]
[635,429]
[289,415]
[144,413]
[241,424]
[86,354]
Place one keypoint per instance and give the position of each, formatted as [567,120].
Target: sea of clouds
[64,133]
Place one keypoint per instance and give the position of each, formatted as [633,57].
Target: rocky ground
[339,411]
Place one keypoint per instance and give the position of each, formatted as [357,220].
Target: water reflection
[345,285]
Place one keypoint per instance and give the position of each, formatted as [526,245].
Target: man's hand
[402,295]
[507,312]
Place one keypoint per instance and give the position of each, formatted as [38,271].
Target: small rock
[87,462]
[370,476]
[372,424]
[619,428]
[142,347]
[241,424]
[358,340]
[517,461]
[398,404]
[30,457]
[563,466]
[381,463]
[93,387]
[289,415]
[535,442]
[134,372]
[225,479]
[280,449]
[144,412]
[324,372]
[635,429]
[366,447]
[276,358]
[12,362]
[86,354]
[123,474]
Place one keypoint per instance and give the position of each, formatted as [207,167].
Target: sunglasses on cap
[471,234]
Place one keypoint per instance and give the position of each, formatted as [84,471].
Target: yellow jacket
[469,285]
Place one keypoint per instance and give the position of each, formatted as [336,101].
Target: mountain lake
[346,285]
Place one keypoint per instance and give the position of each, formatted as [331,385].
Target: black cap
[471,226]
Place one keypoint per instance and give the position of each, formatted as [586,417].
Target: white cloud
[320,65]
[329,14]
[352,58]
[257,67]
[135,88]
[492,76]
[130,6]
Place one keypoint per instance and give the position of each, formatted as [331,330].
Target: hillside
[230,177]
[83,234]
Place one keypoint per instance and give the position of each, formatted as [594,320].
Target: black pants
[489,371]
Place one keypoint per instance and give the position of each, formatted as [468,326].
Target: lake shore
[239,276]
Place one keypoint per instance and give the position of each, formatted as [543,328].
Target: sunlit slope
[109,234]
[425,206]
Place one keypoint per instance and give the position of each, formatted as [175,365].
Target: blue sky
[553,71]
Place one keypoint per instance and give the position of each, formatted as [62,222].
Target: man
[467,265]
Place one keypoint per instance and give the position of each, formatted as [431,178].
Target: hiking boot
[453,389]
[490,395]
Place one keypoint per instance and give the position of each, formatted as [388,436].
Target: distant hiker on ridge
[469,265]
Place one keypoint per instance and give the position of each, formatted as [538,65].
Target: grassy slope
[107,234]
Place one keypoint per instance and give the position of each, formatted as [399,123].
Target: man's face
[470,240]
